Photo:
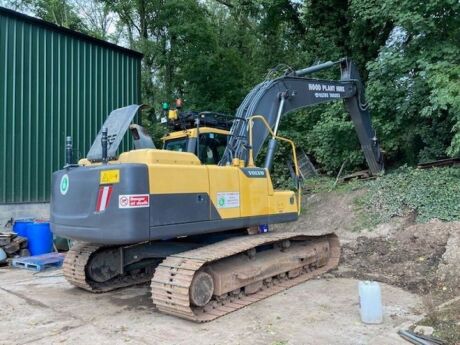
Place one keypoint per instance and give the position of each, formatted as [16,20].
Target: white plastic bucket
[370,302]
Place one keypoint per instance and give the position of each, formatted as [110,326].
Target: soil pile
[422,258]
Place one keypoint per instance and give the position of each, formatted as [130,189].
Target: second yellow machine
[192,217]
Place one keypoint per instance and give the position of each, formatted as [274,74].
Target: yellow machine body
[182,172]
[171,172]
[186,195]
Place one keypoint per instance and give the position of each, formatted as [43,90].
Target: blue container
[40,238]
[263,228]
[20,226]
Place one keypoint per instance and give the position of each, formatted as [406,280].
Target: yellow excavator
[193,217]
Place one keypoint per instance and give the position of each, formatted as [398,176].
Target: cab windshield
[211,149]
[179,145]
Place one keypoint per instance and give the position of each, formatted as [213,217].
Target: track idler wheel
[104,265]
[201,289]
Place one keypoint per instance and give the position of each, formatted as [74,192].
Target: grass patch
[431,193]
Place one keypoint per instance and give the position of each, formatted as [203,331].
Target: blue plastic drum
[40,238]
[20,226]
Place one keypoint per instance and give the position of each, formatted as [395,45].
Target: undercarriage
[202,281]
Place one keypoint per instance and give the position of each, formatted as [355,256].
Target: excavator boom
[274,98]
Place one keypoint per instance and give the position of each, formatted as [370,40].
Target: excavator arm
[274,98]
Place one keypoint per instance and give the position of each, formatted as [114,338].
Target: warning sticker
[133,200]
[109,176]
[228,199]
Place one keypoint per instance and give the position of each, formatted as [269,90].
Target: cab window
[212,147]
[179,145]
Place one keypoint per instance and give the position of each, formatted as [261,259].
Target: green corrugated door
[53,84]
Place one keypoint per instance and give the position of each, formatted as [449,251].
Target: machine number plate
[228,200]
[109,176]
[133,200]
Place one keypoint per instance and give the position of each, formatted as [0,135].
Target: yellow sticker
[109,176]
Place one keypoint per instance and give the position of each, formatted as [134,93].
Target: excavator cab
[205,134]
[212,143]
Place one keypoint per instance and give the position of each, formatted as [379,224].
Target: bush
[433,193]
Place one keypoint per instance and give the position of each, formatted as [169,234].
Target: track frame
[174,276]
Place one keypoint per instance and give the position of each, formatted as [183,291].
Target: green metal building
[54,82]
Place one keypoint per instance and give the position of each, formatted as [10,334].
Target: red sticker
[103,198]
[133,200]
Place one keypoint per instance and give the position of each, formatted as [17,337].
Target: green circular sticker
[221,202]
[64,185]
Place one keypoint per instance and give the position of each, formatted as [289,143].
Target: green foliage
[432,193]
[333,141]
[60,12]
[211,53]
[413,83]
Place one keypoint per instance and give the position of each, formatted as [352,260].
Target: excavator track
[172,282]
[75,264]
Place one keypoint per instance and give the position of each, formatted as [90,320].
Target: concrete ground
[43,308]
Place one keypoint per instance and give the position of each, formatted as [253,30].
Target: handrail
[294,155]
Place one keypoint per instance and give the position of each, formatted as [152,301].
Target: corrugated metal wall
[54,83]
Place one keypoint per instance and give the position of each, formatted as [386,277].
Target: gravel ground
[44,309]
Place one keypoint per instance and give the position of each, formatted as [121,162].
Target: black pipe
[104,145]
[68,151]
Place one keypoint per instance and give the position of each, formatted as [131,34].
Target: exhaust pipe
[68,152]
[104,145]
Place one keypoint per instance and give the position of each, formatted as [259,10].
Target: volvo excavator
[191,218]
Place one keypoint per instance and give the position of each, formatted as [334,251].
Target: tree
[98,21]
[413,84]
[212,52]
[218,50]
[59,12]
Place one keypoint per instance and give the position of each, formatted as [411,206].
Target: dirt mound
[325,213]
[409,258]
[422,258]
[449,267]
